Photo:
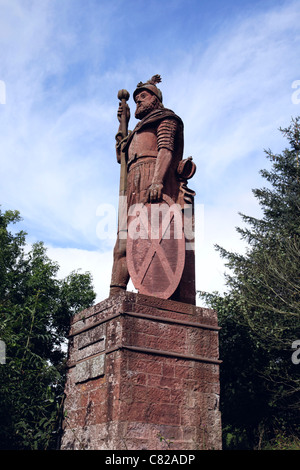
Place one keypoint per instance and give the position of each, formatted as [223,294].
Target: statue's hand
[120,144]
[154,192]
[123,109]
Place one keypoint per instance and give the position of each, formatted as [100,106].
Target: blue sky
[227,69]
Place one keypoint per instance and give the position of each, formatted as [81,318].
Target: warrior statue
[153,174]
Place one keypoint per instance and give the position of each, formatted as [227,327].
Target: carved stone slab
[90,368]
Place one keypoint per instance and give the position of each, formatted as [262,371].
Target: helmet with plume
[150,85]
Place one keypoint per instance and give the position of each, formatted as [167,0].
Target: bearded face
[145,103]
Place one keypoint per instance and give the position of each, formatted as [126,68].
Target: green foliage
[260,313]
[283,442]
[35,311]
[243,399]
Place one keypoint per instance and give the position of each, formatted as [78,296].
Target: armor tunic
[142,153]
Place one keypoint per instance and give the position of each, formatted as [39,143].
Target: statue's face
[145,103]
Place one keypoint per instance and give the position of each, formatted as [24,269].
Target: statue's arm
[121,138]
[118,146]
[165,143]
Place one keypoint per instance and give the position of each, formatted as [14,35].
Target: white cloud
[58,124]
[234,96]
[72,259]
[53,156]
[98,264]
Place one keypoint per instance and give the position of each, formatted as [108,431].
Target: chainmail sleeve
[166,134]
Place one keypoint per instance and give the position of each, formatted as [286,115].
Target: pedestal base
[143,374]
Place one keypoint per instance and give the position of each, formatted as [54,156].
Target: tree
[35,311]
[264,288]
[243,398]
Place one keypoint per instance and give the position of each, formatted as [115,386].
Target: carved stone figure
[151,242]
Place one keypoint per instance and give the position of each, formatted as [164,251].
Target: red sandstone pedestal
[143,374]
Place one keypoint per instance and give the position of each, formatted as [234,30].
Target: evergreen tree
[264,292]
[35,310]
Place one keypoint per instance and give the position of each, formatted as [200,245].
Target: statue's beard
[143,109]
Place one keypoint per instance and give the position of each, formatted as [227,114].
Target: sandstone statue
[152,246]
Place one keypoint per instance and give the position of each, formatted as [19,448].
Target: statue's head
[147,97]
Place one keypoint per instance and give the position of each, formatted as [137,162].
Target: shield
[156,247]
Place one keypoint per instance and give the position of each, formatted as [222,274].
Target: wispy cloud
[63,63]
[238,91]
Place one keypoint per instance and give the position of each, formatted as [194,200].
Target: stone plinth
[143,374]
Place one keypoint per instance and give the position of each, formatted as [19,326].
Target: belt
[142,158]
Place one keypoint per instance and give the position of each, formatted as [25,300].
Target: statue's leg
[120,275]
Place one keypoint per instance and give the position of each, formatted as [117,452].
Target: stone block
[143,371]
[90,368]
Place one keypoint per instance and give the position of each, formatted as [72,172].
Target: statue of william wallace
[156,253]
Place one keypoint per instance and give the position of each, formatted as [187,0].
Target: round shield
[156,247]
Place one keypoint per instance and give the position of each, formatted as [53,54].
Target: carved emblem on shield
[156,247]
